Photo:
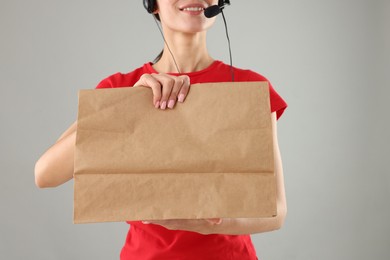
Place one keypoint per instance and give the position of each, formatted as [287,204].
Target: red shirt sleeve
[109,82]
[120,80]
[278,104]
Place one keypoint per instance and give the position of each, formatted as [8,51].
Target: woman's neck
[189,51]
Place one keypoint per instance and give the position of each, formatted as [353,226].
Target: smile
[192,9]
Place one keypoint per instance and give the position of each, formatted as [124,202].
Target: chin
[196,28]
[193,30]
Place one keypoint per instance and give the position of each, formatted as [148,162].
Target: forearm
[56,165]
[241,226]
[260,225]
[228,226]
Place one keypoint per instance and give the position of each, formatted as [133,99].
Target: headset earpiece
[150,5]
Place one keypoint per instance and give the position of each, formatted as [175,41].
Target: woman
[185,60]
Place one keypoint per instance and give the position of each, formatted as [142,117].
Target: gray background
[329,59]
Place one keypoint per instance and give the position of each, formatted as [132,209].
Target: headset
[209,12]
[151,5]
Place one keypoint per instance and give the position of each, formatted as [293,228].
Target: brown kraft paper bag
[209,157]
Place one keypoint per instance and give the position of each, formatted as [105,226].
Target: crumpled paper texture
[211,156]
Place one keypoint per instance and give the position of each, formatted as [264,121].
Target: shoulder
[119,79]
[278,104]
[249,75]
[240,74]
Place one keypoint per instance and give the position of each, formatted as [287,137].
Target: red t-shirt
[154,242]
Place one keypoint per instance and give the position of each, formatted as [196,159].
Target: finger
[149,80]
[167,82]
[165,223]
[214,221]
[185,88]
[175,91]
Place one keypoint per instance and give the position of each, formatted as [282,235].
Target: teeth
[193,9]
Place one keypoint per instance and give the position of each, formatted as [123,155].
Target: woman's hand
[202,226]
[166,88]
[225,226]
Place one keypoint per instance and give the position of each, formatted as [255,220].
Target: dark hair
[158,57]
[151,6]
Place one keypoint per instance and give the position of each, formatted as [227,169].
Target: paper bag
[209,157]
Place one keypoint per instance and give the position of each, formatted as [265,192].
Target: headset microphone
[214,10]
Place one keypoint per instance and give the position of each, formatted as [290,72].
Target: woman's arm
[252,226]
[55,166]
[242,225]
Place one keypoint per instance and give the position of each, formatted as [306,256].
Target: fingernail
[171,103]
[164,105]
[157,104]
[181,98]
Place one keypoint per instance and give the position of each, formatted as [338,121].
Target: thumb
[214,221]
